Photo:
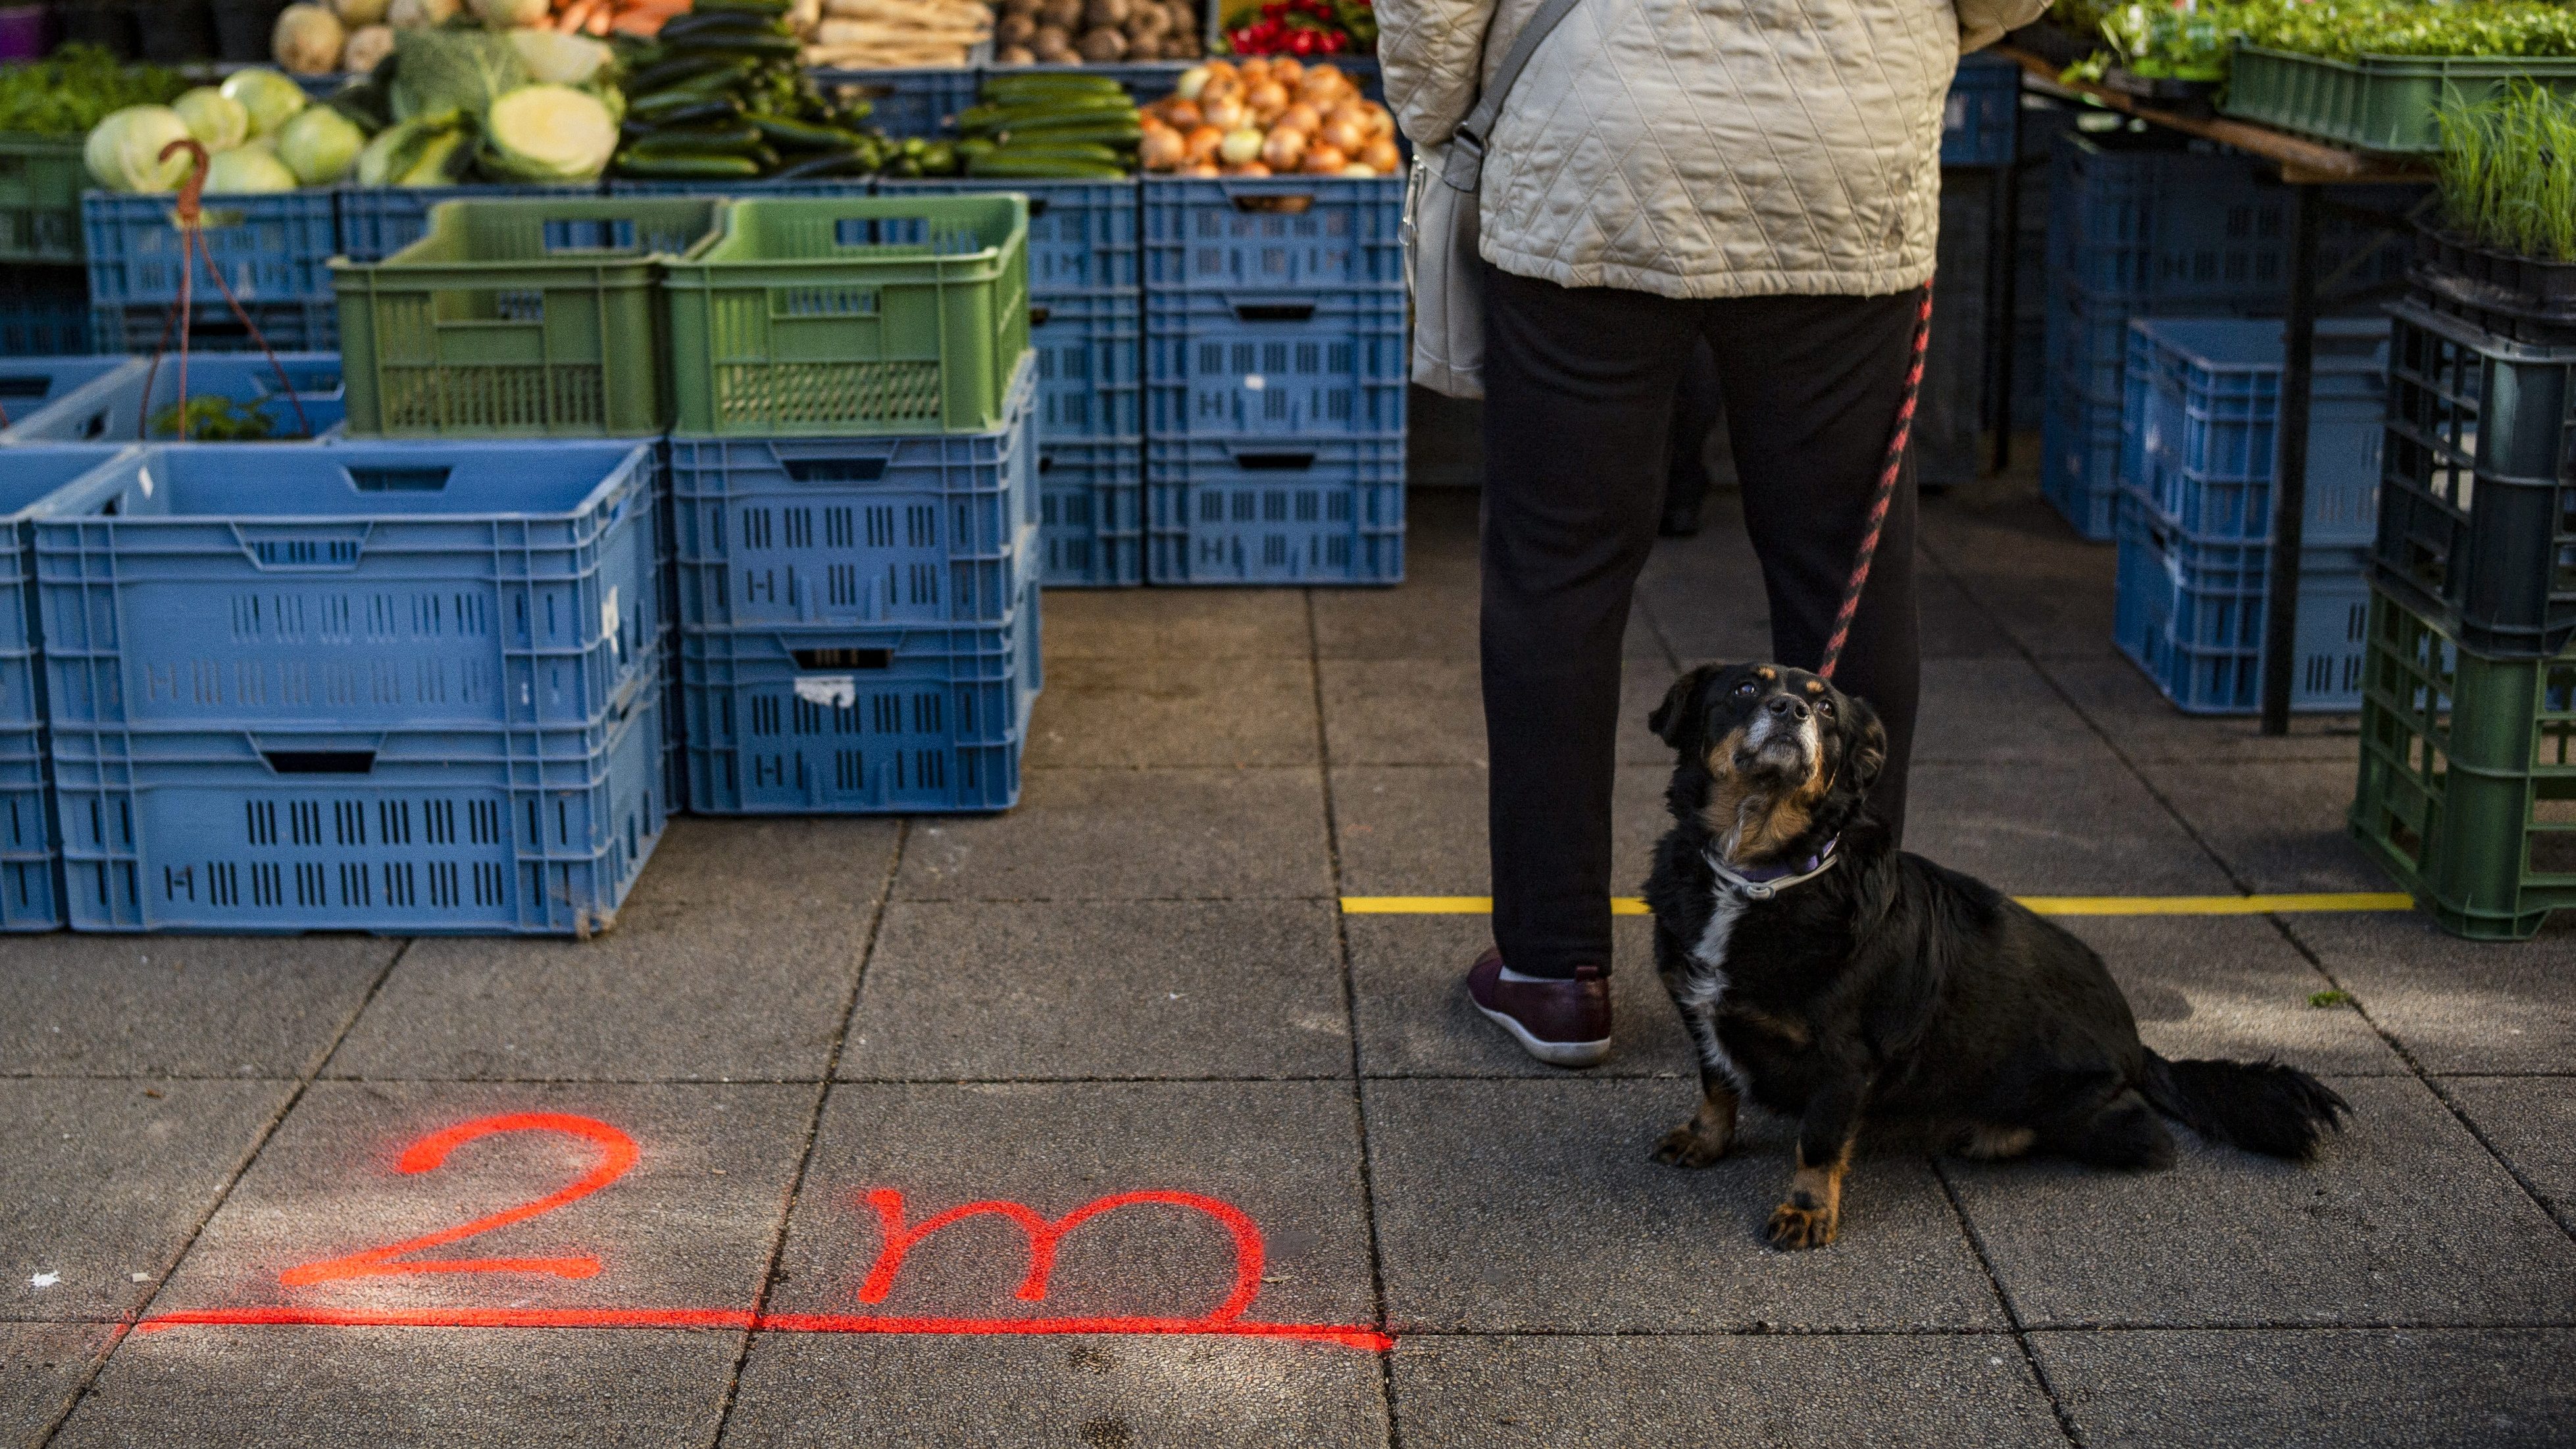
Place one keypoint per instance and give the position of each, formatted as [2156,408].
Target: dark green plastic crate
[526,319]
[2468,776]
[844,317]
[40,198]
[2379,102]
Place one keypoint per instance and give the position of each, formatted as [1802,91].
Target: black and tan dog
[1832,978]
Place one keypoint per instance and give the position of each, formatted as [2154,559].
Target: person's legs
[1579,388]
[1695,414]
[1812,385]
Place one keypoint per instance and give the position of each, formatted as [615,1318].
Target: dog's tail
[2261,1106]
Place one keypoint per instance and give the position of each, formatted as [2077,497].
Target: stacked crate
[271,251]
[44,291]
[1275,374]
[2200,442]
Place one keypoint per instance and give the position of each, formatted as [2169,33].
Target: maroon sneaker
[1562,1023]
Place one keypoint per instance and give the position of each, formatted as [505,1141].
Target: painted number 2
[617,1153]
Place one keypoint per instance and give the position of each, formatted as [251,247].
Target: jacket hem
[1816,282]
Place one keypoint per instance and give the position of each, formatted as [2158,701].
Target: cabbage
[429,151]
[548,133]
[124,149]
[554,58]
[307,40]
[452,70]
[247,168]
[214,118]
[271,98]
[320,146]
[510,14]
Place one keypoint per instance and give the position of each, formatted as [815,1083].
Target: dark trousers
[1579,389]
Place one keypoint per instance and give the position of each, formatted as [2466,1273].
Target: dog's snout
[1789,709]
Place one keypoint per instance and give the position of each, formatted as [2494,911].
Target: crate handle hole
[603,234]
[321,762]
[398,480]
[844,658]
[1037,207]
[1288,205]
[1273,311]
[22,388]
[834,470]
[1274,462]
[1039,312]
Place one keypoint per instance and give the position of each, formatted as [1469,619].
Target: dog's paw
[1688,1146]
[1796,1225]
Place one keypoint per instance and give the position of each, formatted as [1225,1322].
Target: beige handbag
[1441,265]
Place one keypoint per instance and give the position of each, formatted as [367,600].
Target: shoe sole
[1554,1053]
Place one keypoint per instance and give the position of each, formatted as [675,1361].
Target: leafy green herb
[214,420]
[69,93]
[2508,172]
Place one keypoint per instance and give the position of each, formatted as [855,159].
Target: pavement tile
[1510,1206]
[1141,989]
[2403,1218]
[1421,831]
[41,1365]
[2279,826]
[1432,712]
[2055,828]
[1419,619]
[1285,1154]
[767,864]
[2054,602]
[1130,624]
[101,1184]
[1409,974]
[193,1006]
[1705,597]
[2145,725]
[1131,835]
[1079,1393]
[2532,1122]
[1706,1392]
[1172,712]
[2316,1389]
[2229,986]
[689,1226]
[1995,710]
[1952,624]
[675,993]
[2456,1006]
[330,1388]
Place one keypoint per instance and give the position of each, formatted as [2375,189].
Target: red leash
[1887,476]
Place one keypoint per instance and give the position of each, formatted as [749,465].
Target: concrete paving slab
[41,1366]
[1998,710]
[2403,1218]
[1951,623]
[1513,1206]
[1077,1393]
[689,1225]
[1284,1154]
[675,993]
[1254,834]
[329,1388]
[2318,1389]
[2145,726]
[1144,989]
[1705,598]
[1163,712]
[2456,1006]
[1704,1392]
[1410,972]
[2279,825]
[2532,1122]
[755,867]
[1432,711]
[194,1006]
[1126,624]
[1421,619]
[2229,986]
[102,1182]
[1421,831]
[2047,828]
[2048,590]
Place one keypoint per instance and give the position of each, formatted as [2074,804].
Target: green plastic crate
[2468,776]
[2380,102]
[839,317]
[518,319]
[40,198]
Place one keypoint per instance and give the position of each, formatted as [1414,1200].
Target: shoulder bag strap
[1465,164]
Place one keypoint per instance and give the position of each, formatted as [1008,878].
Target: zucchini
[686,112]
[804,135]
[688,168]
[1001,118]
[687,68]
[1000,166]
[751,44]
[1060,151]
[699,140]
[691,25]
[858,161]
[1106,134]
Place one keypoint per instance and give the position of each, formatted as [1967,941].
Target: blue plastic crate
[1082,234]
[400,832]
[1304,233]
[914,101]
[932,528]
[2191,612]
[2200,429]
[283,326]
[1090,360]
[375,586]
[45,312]
[28,385]
[2079,464]
[1091,505]
[1977,118]
[1275,510]
[1303,365]
[114,408]
[378,221]
[862,721]
[269,247]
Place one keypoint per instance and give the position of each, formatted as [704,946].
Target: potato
[1014,55]
[1105,14]
[1064,15]
[1185,16]
[1052,45]
[1014,30]
[1147,23]
[1102,46]
[1019,7]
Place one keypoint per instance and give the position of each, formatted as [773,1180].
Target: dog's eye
[1825,707]
[1744,690]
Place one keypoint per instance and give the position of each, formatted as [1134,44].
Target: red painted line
[1348,1335]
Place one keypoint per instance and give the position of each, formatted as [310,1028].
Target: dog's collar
[1762,882]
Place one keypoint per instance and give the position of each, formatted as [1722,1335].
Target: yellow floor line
[2044,905]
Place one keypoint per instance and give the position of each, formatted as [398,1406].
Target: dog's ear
[1677,718]
[1864,745]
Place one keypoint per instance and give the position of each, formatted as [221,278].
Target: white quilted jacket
[1702,148]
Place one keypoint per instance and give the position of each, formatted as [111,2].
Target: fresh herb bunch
[2508,172]
[214,419]
[68,93]
[2341,31]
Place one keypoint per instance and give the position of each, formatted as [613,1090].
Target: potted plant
[2508,180]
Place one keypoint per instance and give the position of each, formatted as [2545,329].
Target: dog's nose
[1788,708]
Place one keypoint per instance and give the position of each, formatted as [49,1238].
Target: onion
[1356,171]
[1285,69]
[1192,82]
[1225,113]
[1201,170]
[1342,135]
[1181,115]
[1248,168]
[1201,143]
[1266,98]
[1323,161]
[1381,156]
[1160,148]
[1284,149]
[1381,120]
[1301,116]
[1240,146]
